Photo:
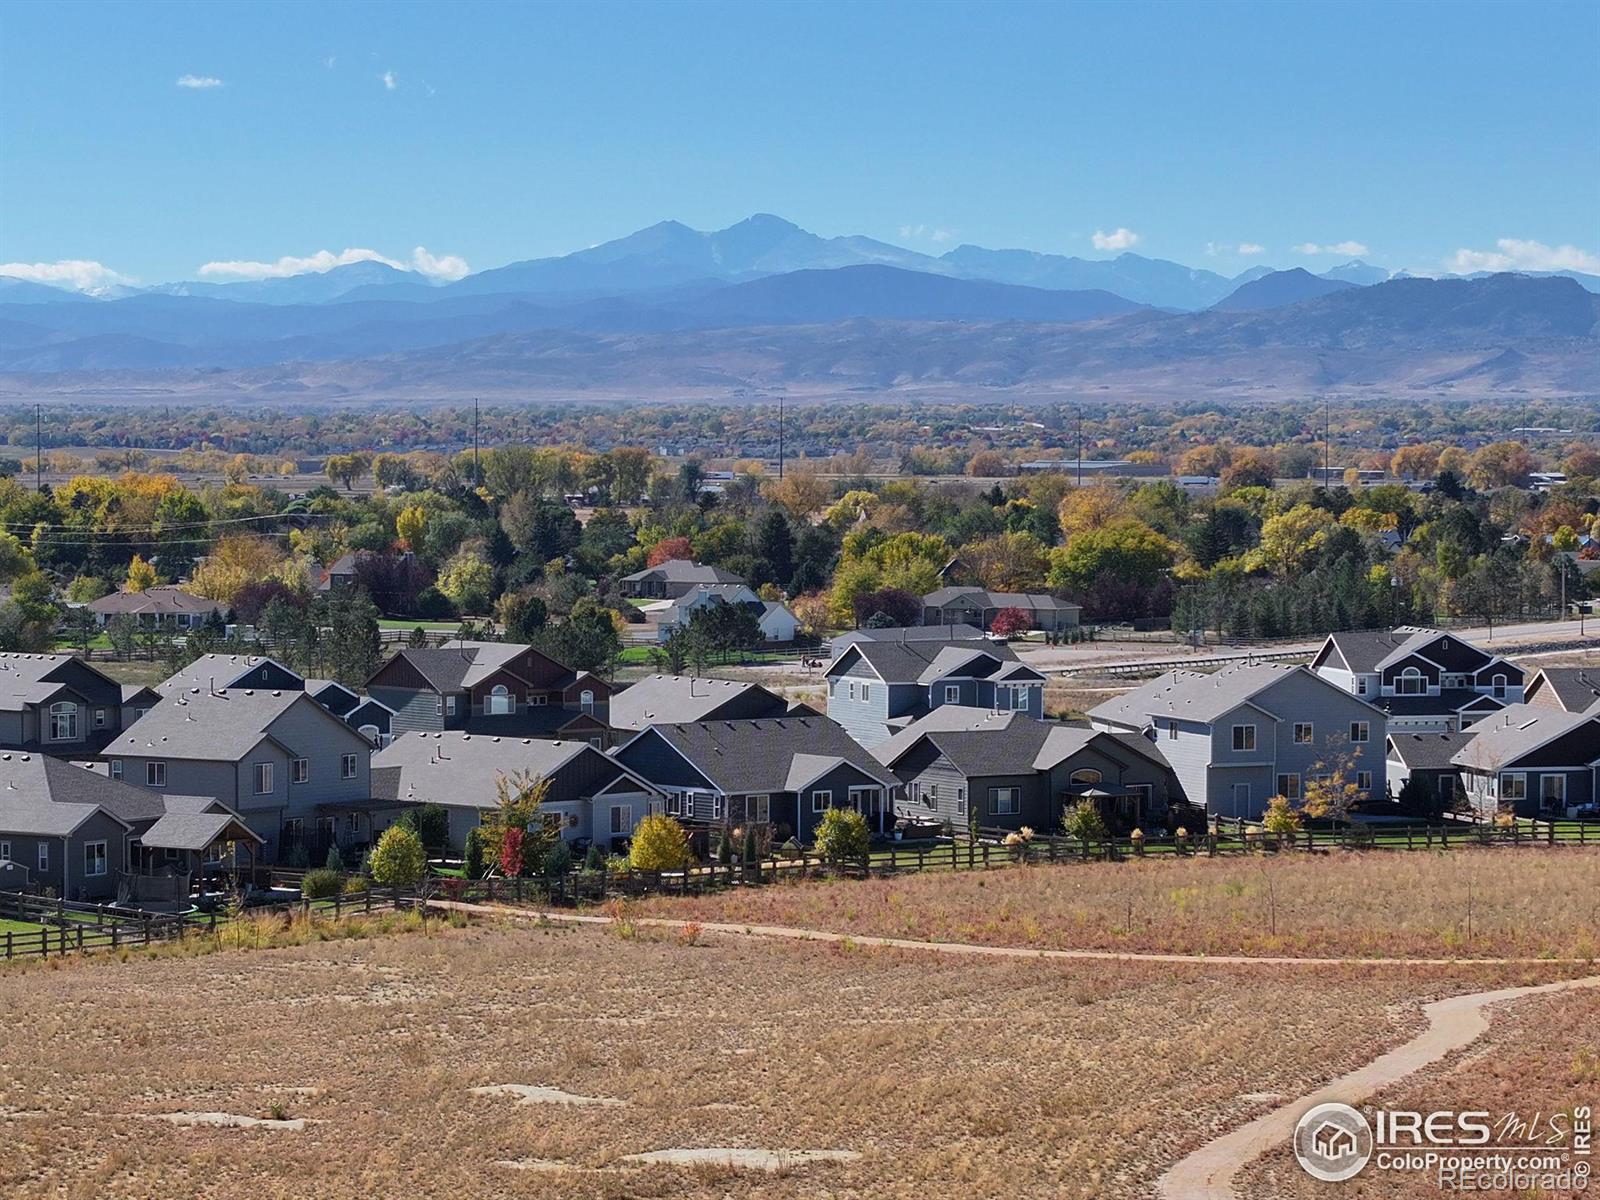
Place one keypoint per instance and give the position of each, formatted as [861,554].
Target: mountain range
[765,305]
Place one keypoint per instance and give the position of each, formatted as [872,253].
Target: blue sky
[491,133]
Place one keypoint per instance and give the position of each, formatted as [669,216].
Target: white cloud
[1514,254]
[1348,249]
[1247,249]
[1251,248]
[390,80]
[1117,239]
[440,266]
[199,82]
[931,232]
[330,61]
[79,274]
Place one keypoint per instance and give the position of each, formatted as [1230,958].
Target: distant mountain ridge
[1279,288]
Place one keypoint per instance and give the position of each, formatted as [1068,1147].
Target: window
[44,855]
[293,831]
[758,808]
[1514,786]
[263,777]
[5,851]
[852,689]
[116,768]
[952,693]
[1087,776]
[821,800]
[914,792]
[1361,685]
[933,795]
[1005,802]
[499,702]
[1172,731]
[1289,786]
[99,718]
[347,766]
[450,706]
[299,770]
[325,829]
[1304,734]
[961,802]
[621,819]
[1244,737]
[863,799]
[155,774]
[599,743]
[537,699]
[1364,780]
[1499,684]
[1359,731]
[1411,682]
[719,807]
[866,691]
[438,706]
[64,721]
[1553,790]
[586,702]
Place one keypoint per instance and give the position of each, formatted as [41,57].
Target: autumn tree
[659,844]
[141,575]
[1007,562]
[668,549]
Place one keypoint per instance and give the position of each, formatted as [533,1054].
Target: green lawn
[430,626]
[8,926]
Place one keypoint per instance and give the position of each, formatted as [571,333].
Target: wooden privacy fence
[65,927]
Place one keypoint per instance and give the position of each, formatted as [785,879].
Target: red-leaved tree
[511,852]
[1009,622]
[669,548]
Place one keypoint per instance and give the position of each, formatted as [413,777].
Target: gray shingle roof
[164,599]
[1194,696]
[1367,651]
[1520,729]
[908,661]
[462,770]
[1449,700]
[1572,688]
[48,796]
[681,570]
[459,664]
[758,756]
[1427,751]
[216,671]
[945,717]
[196,822]
[1027,601]
[659,698]
[911,633]
[221,726]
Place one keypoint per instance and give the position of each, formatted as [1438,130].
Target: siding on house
[867,720]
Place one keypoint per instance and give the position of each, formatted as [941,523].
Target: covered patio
[170,860]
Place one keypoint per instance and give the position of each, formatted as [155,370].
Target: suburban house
[673,578]
[1569,689]
[685,699]
[1426,759]
[1005,771]
[910,633]
[230,672]
[1421,678]
[1252,731]
[777,623]
[1534,761]
[339,574]
[165,605]
[88,837]
[975,606]
[501,688]
[298,775]
[877,687]
[592,796]
[60,705]
[779,776]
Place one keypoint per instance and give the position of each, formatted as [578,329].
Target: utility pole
[38,441]
[780,436]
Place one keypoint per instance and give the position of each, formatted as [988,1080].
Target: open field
[948,1078]
[1533,902]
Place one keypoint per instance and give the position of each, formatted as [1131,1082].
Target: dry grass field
[1534,902]
[953,1077]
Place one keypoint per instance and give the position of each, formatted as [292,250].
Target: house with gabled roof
[684,699]
[505,688]
[1425,759]
[86,836]
[1252,731]
[779,776]
[1421,678]
[60,704]
[674,578]
[876,687]
[1006,771]
[979,606]
[1534,761]
[298,775]
[592,796]
[1568,689]
[229,672]
[164,605]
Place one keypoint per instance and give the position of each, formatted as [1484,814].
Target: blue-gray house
[878,687]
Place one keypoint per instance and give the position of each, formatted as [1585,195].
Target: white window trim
[627,819]
[89,855]
[1311,733]
[44,855]
[116,768]
[349,767]
[155,774]
[1250,737]
[994,802]
[1292,791]
[952,693]
[762,804]
[261,773]
[821,800]
[299,770]
[1364,729]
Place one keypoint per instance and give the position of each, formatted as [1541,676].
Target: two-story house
[773,620]
[673,578]
[1423,679]
[60,705]
[1249,732]
[236,672]
[1006,771]
[876,687]
[1534,761]
[592,797]
[298,775]
[684,699]
[504,688]
[977,606]
[777,776]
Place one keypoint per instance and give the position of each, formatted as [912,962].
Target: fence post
[1552,838]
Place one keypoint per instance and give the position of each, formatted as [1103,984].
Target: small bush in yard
[334,861]
[1281,817]
[1084,822]
[595,859]
[842,834]
[659,844]
[398,859]
[558,859]
[321,883]
[473,864]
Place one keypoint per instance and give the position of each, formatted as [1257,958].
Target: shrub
[511,860]
[334,861]
[398,859]
[474,862]
[659,844]
[842,834]
[724,847]
[558,859]
[1281,817]
[1084,822]
[321,883]
[595,859]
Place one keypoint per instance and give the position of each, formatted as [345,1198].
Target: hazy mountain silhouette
[1280,288]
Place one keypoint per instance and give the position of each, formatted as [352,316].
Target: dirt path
[793,933]
[1453,1023]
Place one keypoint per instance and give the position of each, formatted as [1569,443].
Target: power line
[30,526]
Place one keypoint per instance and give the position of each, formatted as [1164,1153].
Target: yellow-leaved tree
[141,575]
[659,844]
